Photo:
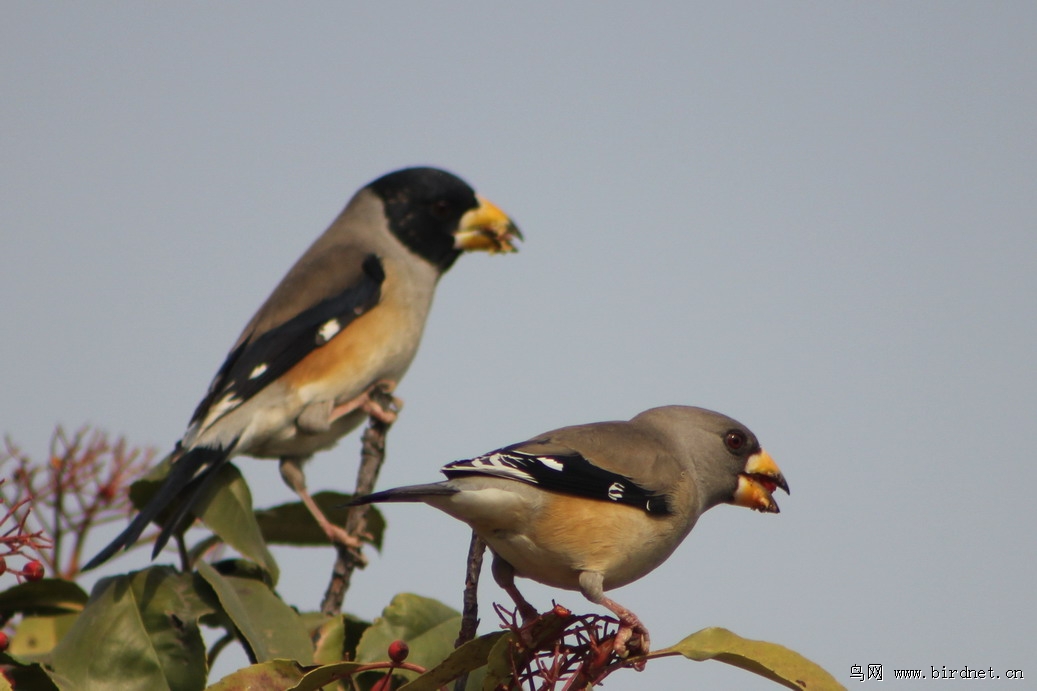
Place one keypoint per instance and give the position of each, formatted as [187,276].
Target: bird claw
[374,409]
[529,613]
[368,403]
[626,642]
[341,538]
[539,629]
[525,634]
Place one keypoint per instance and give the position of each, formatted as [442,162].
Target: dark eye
[735,440]
[440,209]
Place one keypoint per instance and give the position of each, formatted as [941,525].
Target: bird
[344,321]
[596,506]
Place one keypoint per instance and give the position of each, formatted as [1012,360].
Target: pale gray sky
[817,218]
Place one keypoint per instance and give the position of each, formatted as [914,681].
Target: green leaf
[337,639]
[322,676]
[143,489]
[269,676]
[292,524]
[24,675]
[770,660]
[46,597]
[429,627]
[498,663]
[470,656]
[225,508]
[37,636]
[271,628]
[138,631]
[314,620]
[243,568]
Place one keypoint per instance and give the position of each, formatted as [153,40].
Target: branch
[470,613]
[372,455]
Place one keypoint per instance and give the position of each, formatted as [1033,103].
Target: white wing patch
[567,473]
[258,371]
[328,330]
[496,463]
[551,463]
[221,407]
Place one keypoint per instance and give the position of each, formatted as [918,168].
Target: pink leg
[592,586]
[366,403]
[629,625]
[504,574]
[291,473]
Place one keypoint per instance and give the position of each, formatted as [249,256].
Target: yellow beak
[486,228]
[757,483]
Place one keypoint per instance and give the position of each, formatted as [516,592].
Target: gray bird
[594,507]
[345,320]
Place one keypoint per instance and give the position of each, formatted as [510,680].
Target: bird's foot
[367,402]
[528,613]
[527,632]
[341,538]
[371,406]
[632,637]
[542,629]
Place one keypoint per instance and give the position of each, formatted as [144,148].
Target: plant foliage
[144,629]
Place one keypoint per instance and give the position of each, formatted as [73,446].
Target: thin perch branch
[470,614]
[372,455]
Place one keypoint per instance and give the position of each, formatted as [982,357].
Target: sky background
[817,218]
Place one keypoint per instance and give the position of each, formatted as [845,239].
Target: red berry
[4,642]
[3,566]
[398,651]
[33,571]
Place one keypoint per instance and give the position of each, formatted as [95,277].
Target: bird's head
[723,457]
[437,215]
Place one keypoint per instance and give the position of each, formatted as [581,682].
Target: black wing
[189,474]
[257,362]
[568,473]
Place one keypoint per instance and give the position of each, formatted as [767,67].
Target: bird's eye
[735,440]
[440,209]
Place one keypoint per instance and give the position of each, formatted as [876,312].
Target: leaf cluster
[144,629]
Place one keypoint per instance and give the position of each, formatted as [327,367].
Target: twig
[80,485]
[218,647]
[559,650]
[372,455]
[470,612]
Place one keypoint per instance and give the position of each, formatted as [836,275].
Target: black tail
[410,493]
[186,482]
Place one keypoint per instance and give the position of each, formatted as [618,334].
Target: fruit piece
[398,651]
[33,571]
